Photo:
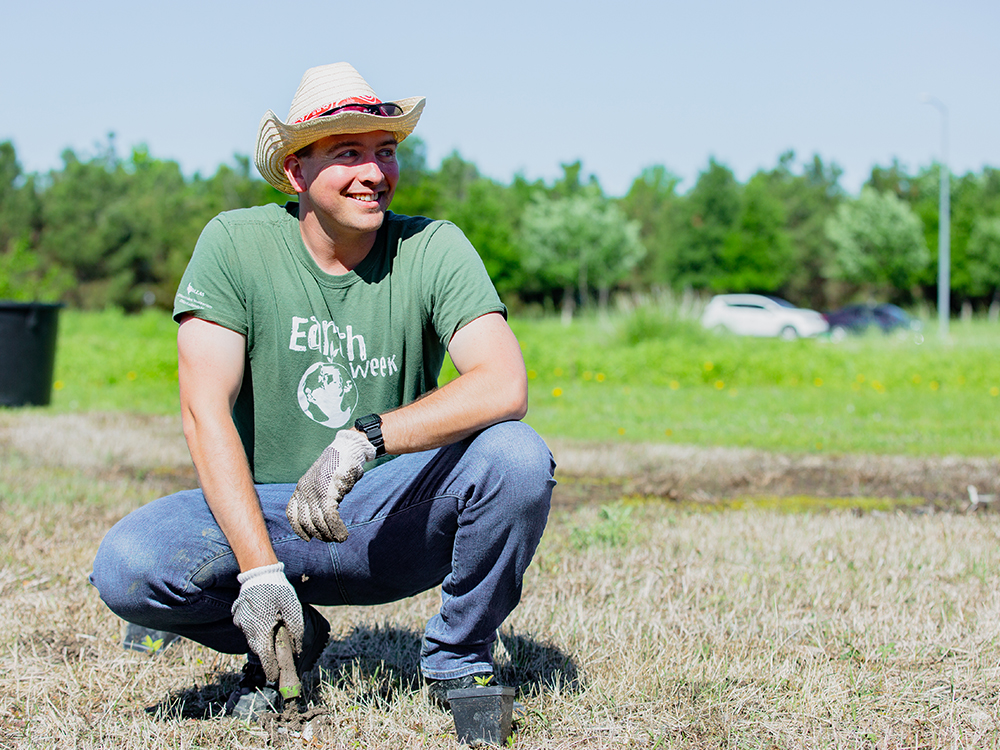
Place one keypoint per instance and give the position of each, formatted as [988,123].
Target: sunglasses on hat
[380,109]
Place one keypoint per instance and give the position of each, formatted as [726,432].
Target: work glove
[267,598]
[313,510]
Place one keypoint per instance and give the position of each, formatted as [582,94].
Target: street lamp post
[944,223]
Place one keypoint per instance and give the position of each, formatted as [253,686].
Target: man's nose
[371,171]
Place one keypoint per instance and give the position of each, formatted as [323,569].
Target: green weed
[613,528]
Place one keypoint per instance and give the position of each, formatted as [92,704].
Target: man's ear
[293,171]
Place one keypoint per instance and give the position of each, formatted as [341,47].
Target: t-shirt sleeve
[456,287]
[212,287]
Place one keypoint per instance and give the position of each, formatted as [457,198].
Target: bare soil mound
[692,472]
[153,448]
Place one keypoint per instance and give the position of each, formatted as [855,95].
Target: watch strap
[371,425]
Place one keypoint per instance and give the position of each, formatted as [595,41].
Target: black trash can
[27,352]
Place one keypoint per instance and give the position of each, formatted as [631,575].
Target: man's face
[348,179]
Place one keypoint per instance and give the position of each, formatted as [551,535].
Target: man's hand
[313,510]
[267,598]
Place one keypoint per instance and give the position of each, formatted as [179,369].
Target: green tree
[126,228]
[578,241]
[232,186]
[972,197]
[19,219]
[712,210]
[455,179]
[418,192]
[160,218]
[489,216]
[975,202]
[879,243]
[809,199]
[571,182]
[922,192]
[24,276]
[757,255]
[984,257]
[79,226]
[617,249]
[895,179]
[653,202]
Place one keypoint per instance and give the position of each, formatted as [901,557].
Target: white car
[757,315]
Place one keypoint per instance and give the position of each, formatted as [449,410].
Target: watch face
[365,423]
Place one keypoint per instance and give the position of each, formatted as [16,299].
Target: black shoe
[253,681]
[317,635]
[437,690]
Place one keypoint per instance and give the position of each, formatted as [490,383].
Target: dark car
[858,319]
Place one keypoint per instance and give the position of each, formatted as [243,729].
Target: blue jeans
[467,516]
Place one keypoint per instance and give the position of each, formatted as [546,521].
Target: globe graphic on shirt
[327,394]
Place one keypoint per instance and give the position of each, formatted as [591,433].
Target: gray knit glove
[313,510]
[267,598]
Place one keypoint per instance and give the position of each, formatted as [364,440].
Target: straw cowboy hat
[331,100]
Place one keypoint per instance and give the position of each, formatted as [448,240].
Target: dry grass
[641,626]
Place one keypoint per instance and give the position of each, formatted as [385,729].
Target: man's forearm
[471,402]
[210,371]
[228,486]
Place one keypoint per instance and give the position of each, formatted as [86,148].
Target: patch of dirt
[153,448]
[97,441]
[291,724]
[145,447]
[684,472]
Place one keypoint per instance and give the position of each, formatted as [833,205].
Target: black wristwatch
[372,427]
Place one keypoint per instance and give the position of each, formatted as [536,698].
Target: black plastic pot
[482,714]
[27,352]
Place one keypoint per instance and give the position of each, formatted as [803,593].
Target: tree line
[114,230]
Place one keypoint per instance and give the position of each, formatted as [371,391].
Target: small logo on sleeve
[192,298]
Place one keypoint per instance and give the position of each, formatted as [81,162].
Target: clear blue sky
[521,86]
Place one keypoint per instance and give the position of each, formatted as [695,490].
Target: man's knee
[121,571]
[148,559]
[521,461]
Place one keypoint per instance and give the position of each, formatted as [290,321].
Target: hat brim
[276,139]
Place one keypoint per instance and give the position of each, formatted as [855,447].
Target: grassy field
[677,383]
[645,623]
[647,376]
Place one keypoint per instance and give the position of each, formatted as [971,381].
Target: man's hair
[305,151]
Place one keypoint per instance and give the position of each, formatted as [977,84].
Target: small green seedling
[151,645]
[483,679]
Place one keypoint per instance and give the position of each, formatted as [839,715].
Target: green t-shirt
[324,350]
